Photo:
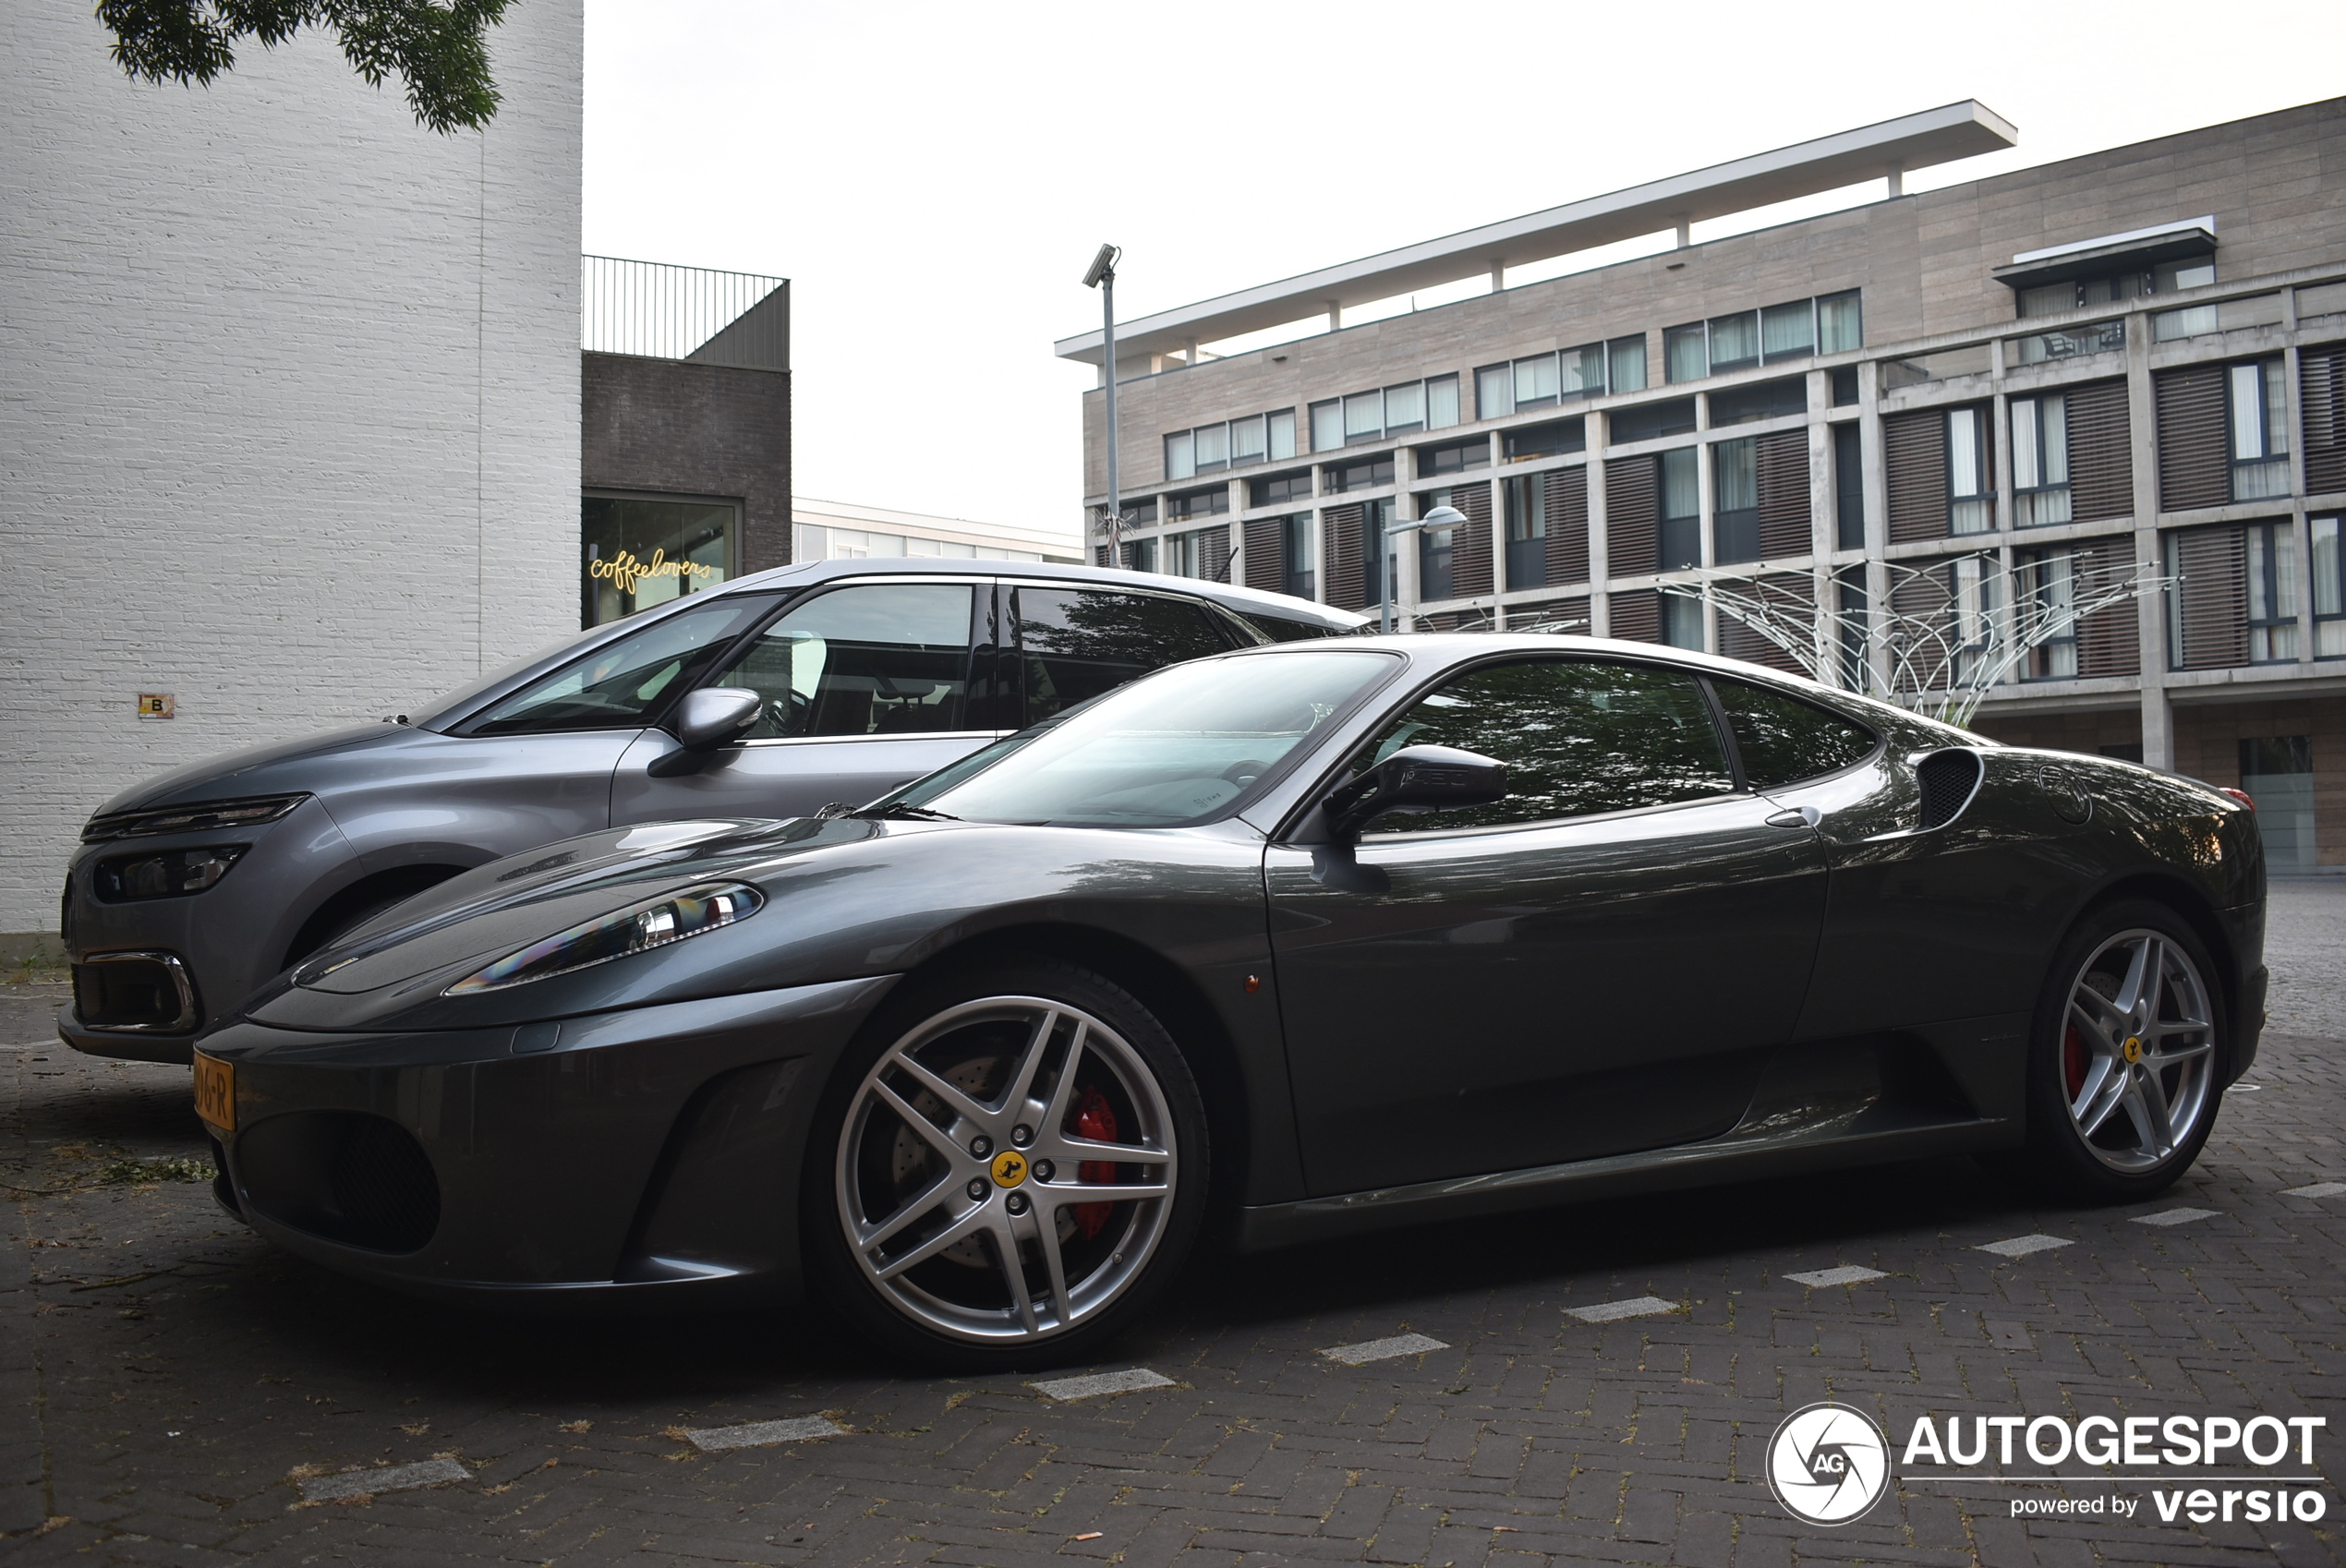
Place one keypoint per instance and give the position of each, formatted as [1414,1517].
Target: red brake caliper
[2072,1061]
[1095,1119]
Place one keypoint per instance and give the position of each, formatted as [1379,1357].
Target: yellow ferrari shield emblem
[2132,1048]
[1010,1168]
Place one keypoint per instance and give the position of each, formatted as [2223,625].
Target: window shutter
[1791,594]
[1214,554]
[2194,467]
[1567,539]
[2321,374]
[1636,615]
[2110,640]
[1340,542]
[1914,452]
[2101,459]
[1633,515]
[1471,546]
[1265,563]
[1100,556]
[2211,604]
[1926,600]
[1783,462]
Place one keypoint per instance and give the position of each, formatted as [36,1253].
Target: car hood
[278,769]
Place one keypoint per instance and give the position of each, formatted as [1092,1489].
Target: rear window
[1784,739]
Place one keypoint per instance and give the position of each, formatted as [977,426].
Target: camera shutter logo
[1827,1464]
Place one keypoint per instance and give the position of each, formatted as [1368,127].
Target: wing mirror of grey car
[1416,779]
[709,718]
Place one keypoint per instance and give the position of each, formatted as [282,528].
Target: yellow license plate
[216,1092]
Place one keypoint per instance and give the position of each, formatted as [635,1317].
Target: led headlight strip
[638,928]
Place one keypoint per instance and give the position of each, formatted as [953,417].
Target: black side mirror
[1416,779]
[709,718]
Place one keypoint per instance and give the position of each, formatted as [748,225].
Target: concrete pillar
[1600,566]
[2142,427]
[1822,524]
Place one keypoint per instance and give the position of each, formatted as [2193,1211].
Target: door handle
[1803,817]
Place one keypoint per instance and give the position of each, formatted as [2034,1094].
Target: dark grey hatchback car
[770,697]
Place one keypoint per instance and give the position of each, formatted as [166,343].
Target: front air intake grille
[361,1180]
[143,991]
[384,1186]
[1948,779]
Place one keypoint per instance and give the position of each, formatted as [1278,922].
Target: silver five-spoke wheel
[2137,1050]
[1007,1170]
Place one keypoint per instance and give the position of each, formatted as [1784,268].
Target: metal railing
[692,313]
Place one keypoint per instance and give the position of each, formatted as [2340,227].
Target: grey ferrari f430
[1295,940]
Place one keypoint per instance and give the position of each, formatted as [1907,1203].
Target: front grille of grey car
[347,1177]
[1947,778]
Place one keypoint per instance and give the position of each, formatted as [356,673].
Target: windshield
[620,683]
[1177,747]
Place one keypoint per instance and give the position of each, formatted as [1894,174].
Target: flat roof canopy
[1913,142]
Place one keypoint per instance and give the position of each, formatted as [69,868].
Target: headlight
[201,818]
[655,922]
[173,873]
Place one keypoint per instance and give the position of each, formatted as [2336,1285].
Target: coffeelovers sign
[625,570]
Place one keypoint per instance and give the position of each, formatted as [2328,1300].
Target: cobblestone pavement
[173,1392]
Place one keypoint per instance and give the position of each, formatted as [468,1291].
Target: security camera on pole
[1102,277]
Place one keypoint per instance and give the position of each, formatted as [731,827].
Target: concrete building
[289,407]
[2132,360]
[833,530]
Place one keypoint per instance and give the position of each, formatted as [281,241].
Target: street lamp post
[1440,517]
[1101,276]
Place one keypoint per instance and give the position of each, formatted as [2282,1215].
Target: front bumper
[646,1155]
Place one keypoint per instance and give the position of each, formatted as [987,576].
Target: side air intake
[1948,780]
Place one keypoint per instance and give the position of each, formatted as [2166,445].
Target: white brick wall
[288,404]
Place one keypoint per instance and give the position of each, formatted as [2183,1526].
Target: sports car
[1293,941]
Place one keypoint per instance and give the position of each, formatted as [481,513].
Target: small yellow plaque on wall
[154,705]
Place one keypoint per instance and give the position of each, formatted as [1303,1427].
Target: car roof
[1243,600]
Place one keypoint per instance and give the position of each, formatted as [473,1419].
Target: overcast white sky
[934,178]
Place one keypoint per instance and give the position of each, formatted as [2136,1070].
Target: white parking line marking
[2021,1246]
[1382,1349]
[389,1477]
[1611,1311]
[764,1434]
[1848,1274]
[2174,1216]
[1130,1381]
[2320,1189]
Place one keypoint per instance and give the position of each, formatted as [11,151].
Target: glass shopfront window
[639,552]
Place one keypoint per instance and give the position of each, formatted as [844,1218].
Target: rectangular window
[1299,555]
[1681,620]
[2070,343]
[1766,400]
[2278,773]
[1647,421]
[1280,489]
[1788,332]
[1685,356]
[1526,507]
[1681,534]
[2049,612]
[1199,503]
[1282,435]
[2259,409]
[1441,402]
[1247,441]
[1209,449]
[1845,386]
[2329,591]
[1734,342]
[1626,364]
[1437,549]
[1581,371]
[1550,440]
[1849,487]
[1840,323]
[1213,446]
[639,552]
[1734,515]
[1404,407]
[1362,475]
[1535,381]
[1180,455]
[1849,598]
[1327,425]
[1974,627]
[1363,417]
[1493,392]
[2272,593]
[1971,499]
[2040,460]
[1454,458]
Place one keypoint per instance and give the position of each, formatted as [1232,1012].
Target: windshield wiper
[899,812]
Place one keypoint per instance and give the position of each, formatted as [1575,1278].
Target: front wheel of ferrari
[2125,1072]
[1010,1167]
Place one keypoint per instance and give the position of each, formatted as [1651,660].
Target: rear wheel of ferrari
[1013,1165]
[2125,1066]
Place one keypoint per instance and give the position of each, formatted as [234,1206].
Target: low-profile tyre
[2126,1058]
[1008,1167]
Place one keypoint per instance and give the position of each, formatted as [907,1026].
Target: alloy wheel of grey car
[1011,1172]
[2138,1050]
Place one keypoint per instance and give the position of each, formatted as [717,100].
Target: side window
[1578,737]
[1784,739]
[1279,629]
[1073,643]
[618,684]
[879,659]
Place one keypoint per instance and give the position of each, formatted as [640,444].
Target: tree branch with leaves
[437,47]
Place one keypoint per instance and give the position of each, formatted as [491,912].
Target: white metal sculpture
[1948,631]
